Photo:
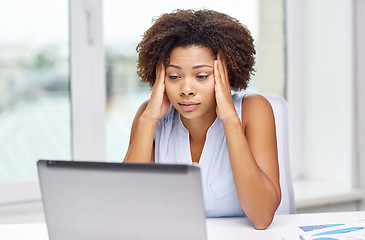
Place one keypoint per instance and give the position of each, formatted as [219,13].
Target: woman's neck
[198,127]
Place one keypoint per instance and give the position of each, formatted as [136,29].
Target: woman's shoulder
[141,109]
[255,107]
[144,105]
[250,99]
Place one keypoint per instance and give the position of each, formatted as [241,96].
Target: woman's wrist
[146,120]
[231,121]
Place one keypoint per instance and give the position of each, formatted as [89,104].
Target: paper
[351,230]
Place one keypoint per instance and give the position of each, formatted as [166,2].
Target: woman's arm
[252,151]
[141,146]
[253,156]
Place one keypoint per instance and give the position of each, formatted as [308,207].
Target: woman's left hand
[225,108]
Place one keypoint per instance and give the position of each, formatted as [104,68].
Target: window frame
[359,89]
[88,84]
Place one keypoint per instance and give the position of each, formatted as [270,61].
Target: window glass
[124,25]
[34,86]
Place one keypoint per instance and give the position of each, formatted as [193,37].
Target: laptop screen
[100,200]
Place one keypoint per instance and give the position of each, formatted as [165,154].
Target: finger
[218,66]
[159,86]
[223,66]
[160,73]
[160,77]
[217,76]
[222,76]
[223,72]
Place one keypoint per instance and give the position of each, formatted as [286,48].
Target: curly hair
[219,32]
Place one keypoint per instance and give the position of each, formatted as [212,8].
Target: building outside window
[34,86]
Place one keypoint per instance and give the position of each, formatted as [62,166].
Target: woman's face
[190,82]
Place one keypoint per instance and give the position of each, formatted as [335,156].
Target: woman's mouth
[189,106]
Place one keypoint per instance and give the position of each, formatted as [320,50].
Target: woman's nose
[187,88]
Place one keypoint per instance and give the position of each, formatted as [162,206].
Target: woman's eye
[173,77]
[202,76]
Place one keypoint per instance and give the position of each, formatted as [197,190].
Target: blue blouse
[172,146]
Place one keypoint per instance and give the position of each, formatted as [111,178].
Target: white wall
[320,80]
[329,93]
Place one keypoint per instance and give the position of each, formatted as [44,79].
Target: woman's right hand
[158,103]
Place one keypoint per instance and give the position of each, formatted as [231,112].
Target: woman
[192,60]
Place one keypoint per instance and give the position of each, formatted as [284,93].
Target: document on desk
[351,230]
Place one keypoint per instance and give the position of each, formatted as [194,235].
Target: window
[34,86]
[34,96]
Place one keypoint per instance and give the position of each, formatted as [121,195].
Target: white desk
[283,227]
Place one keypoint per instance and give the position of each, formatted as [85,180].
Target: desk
[283,227]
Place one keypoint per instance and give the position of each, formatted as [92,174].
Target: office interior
[69,89]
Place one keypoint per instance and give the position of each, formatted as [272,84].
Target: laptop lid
[100,200]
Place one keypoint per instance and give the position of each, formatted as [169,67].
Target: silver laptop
[107,201]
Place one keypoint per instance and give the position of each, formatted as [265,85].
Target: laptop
[109,201]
